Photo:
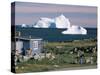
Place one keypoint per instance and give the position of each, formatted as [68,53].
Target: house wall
[26,44]
[19,46]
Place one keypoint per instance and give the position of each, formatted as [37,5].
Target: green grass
[73,44]
[63,58]
[62,61]
[45,67]
[33,68]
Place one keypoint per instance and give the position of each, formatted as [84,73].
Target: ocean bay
[54,34]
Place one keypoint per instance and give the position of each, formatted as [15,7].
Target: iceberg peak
[62,22]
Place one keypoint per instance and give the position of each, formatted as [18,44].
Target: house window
[35,45]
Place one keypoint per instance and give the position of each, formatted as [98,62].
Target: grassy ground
[81,43]
[24,68]
[63,58]
[40,67]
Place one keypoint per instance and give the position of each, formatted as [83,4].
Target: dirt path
[77,68]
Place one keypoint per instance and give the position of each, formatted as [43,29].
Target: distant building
[23,44]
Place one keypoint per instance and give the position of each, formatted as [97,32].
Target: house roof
[27,38]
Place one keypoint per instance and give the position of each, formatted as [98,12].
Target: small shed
[25,43]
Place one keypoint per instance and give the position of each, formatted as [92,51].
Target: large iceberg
[60,22]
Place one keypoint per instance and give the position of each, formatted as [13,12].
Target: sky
[29,13]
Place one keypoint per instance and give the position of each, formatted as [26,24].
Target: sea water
[54,34]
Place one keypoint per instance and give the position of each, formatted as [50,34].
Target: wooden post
[19,34]
[44,44]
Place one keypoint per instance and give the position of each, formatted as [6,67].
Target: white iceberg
[23,25]
[44,23]
[75,30]
[60,22]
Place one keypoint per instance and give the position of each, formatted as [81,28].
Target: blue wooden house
[24,43]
